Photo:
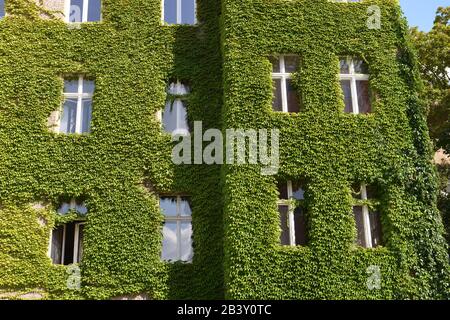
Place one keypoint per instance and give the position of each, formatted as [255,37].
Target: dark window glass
[275,64]
[301,230]
[372,192]
[170,11]
[94,10]
[359,219]
[277,103]
[360,66]
[292,97]
[356,191]
[344,66]
[362,88]
[282,190]
[375,226]
[76,11]
[290,64]
[347,90]
[297,190]
[69,243]
[80,242]
[284,224]
[57,245]
[188,11]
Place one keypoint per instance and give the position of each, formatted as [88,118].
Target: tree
[433,50]
[434,58]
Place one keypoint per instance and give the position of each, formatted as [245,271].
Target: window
[2,9]
[354,77]
[74,205]
[175,114]
[77,108]
[177,230]
[368,222]
[67,243]
[179,11]
[285,96]
[83,10]
[293,220]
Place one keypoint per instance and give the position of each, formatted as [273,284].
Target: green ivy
[132,57]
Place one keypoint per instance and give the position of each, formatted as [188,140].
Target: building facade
[93,207]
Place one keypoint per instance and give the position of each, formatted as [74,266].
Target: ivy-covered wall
[331,150]
[132,57]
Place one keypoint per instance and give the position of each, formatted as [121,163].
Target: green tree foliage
[434,58]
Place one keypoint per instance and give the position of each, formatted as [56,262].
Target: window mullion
[179,227]
[367,233]
[284,94]
[178,11]
[354,96]
[63,251]
[85,11]
[79,105]
[75,243]
[291,215]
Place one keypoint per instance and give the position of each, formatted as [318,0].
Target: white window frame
[84,14]
[79,96]
[76,241]
[179,219]
[179,13]
[366,217]
[284,76]
[291,222]
[353,77]
[183,90]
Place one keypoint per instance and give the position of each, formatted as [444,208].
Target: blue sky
[421,13]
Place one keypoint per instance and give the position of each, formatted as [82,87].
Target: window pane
[94,10]
[282,189]
[169,118]
[297,191]
[69,243]
[57,241]
[356,191]
[76,11]
[375,226]
[301,232]
[284,224]
[170,11]
[275,63]
[86,115]
[290,64]
[277,102]
[169,245]
[68,119]
[81,208]
[2,8]
[359,219]
[347,90]
[362,88]
[188,11]
[186,241]
[344,66]
[185,207]
[168,206]
[88,86]
[372,192]
[360,66]
[292,96]
[183,126]
[64,208]
[71,86]
[80,242]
